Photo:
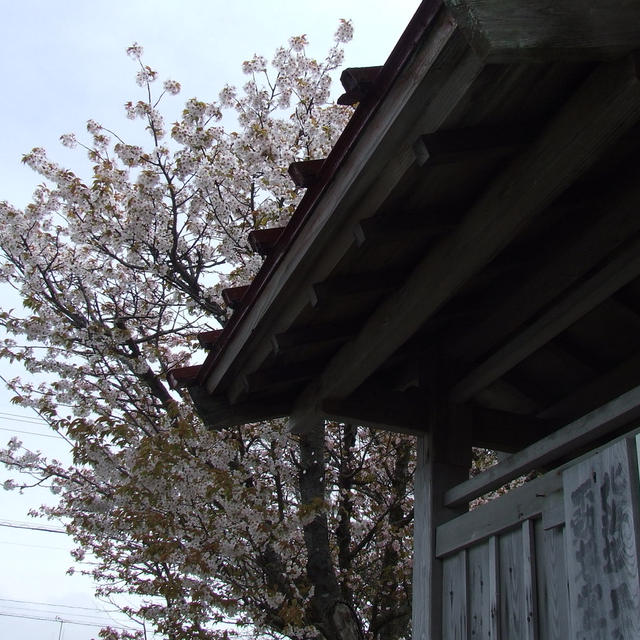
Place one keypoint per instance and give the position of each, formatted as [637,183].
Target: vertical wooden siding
[564,567]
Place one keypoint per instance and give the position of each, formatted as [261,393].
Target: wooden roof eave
[419,101]
[329,232]
[598,114]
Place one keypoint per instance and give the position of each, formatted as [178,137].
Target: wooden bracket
[233,296]
[358,82]
[305,173]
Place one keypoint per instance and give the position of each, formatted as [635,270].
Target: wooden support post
[443,460]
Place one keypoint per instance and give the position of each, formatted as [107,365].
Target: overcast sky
[64,62]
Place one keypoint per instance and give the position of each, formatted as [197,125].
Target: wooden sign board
[601,536]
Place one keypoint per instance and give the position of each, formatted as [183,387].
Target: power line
[59,620]
[15,524]
[32,433]
[17,417]
[66,606]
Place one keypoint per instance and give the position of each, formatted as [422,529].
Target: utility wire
[14,524]
[32,433]
[66,606]
[58,620]
[17,417]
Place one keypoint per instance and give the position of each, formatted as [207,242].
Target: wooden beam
[546,30]
[403,412]
[461,145]
[582,299]
[568,440]
[314,334]
[263,241]
[505,431]
[218,413]
[377,283]
[520,504]
[207,339]
[379,229]
[443,459]
[233,296]
[621,201]
[183,376]
[592,120]
[597,392]
[358,82]
[268,377]
[435,81]
[304,173]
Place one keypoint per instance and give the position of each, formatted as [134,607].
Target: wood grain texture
[601,110]
[512,595]
[455,597]
[544,30]
[530,612]
[494,587]
[479,592]
[553,597]
[595,424]
[601,504]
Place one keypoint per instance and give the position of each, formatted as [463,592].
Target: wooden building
[465,266]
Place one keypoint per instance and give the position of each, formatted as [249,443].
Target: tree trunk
[328,612]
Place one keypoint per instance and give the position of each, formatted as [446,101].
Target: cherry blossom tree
[277,536]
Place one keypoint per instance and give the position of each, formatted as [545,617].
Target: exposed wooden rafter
[233,296]
[217,412]
[305,173]
[358,82]
[462,145]
[586,248]
[181,377]
[263,241]
[600,111]
[624,268]
[207,339]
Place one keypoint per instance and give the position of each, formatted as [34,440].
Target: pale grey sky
[64,62]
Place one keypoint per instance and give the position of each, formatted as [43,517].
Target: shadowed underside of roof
[476,224]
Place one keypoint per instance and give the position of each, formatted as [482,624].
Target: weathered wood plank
[544,30]
[431,84]
[494,588]
[443,459]
[552,583]
[358,82]
[601,503]
[622,270]
[579,433]
[479,592]
[455,586]
[588,246]
[530,600]
[305,172]
[497,516]
[602,109]
[263,241]
[512,596]
[463,145]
